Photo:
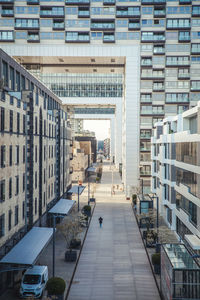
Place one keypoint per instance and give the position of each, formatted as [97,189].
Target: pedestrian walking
[100,221]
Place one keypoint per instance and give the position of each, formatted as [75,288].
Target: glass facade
[84,85]
[188,153]
[189,207]
[188,179]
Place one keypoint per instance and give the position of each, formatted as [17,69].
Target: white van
[34,281]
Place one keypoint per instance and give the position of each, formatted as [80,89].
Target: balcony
[183,24]
[83,12]
[58,24]
[159,50]
[153,37]
[177,62]
[6,36]
[109,2]
[124,12]
[184,37]
[196,11]
[145,172]
[134,25]
[146,62]
[145,100]
[108,37]
[77,2]
[103,25]
[52,12]
[152,75]
[183,75]
[159,13]
[33,2]
[33,37]
[7,11]
[156,2]
[77,37]
[185,2]
[6,1]
[26,24]
[145,135]
[158,87]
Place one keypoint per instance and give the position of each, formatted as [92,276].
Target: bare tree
[70,227]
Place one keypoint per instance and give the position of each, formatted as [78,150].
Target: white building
[175,157]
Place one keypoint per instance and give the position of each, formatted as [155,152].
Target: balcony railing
[109,38]
[7,12]
[134,25]
[84,13]
[77,2]
[102,26]
[59,26]
[33,2]
[109,2]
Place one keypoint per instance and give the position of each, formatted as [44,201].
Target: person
[100,221]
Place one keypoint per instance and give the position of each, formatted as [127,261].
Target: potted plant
[70,229]
[134,199]
[155,258]
[55,288]
[87,210]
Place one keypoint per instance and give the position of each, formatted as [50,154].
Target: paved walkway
[113,263]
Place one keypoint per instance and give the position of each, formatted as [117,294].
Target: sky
[100,127]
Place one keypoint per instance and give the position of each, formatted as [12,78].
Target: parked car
[34,281]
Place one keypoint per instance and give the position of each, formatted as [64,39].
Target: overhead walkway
[113,263]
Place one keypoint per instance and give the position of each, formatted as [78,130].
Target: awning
[91,169]
[77,189]
[62,207]
[29,248]
[193,241]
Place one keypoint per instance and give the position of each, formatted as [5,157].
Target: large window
[6,35]
[149,36]
[189,207]
[177,97]
[2,190]
[2,225]
[77,36]
[178,23]
[26,23]
[177,60]
[187,178]
[3,156]
[187,153]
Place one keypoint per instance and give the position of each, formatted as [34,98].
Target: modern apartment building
[35,153]
[139,60]
[176,173]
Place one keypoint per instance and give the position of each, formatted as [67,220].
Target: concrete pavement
[113,263]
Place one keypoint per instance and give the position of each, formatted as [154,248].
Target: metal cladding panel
[75,188]
[28,249]
[62,207]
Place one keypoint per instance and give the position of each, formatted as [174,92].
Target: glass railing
[58,25]
[183,75]
[33,2]
[134,26]
[109,38]
[33,37]
[149,100]
[83,13]
[145,136]
[159,50]
[7,12]
[51,13]
[159,12]
[184,38]
[103,26]
[145,172]
[177,63]
[154,38]
[153,1]
[77,1]
[127,13]
[109,2]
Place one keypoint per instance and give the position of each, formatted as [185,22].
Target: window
[153,36]
[179,97]
[35,206]
[6,35]
[24,182]
[18,122]
[26,23]
[36,180]
[77,36]
[36,125]
[10,188]
[17,155]
[184,36]
[24,124]
[23,210]
[24,154]
[16,185]
[2,190]
[178,23]
[11,120]
[195,85]
[195,11]
[10,155]
[2,124]
[2,225]
[36,153]
[16,214]
[177,60]
[3,156]
[9,219]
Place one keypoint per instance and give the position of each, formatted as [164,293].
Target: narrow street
[113,263]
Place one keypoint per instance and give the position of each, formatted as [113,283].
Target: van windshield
[32,279]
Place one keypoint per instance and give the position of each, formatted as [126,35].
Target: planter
[56,297]
[87,213]
[156,269]
[70,256]
[75,244]
[92,199]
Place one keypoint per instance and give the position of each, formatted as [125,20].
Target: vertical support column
[112,138]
